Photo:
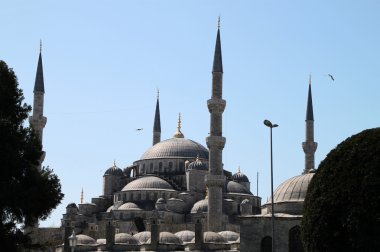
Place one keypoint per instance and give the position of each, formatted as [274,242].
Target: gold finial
[178,133]
[40,45]
[179,122]
[218,22]
[114,163]
[310,79]
[81,196]
[239,169]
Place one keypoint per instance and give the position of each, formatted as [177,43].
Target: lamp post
[271,126]
[73,241]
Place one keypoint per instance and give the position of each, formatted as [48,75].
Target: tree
[27,193]
[342,204]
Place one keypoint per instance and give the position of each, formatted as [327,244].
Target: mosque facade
[177,196]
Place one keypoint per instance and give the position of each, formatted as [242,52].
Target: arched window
[170,165]
[295,243]
[266,244]
[160,167]
[181,167]
[151,167]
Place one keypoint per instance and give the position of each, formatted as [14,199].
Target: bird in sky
[331,77]
[139,129]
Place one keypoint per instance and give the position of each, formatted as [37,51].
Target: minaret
[215,179]
[157,122]
[309,146]
[38,120]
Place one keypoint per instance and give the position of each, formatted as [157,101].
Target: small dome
[200,206]
[176,148]
[129,206]
[197,165]
[126,238]
[85,239]
[114,170]
[186,235]
[212,237]
[143,237]
[72,205]
[293,189]
[235,187]
[148,183]
[115,206]
[245,201]
[161,201]
[230,236]
[101,241]
[168,238]
[240,177]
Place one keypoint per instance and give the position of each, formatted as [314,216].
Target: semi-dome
[240,177]
[126,238]
[114,170]
[293,189]
[143,237]
[85,239]
[200,206]
[129,206]
[176,148]
[186,235]
[197,165]
[235,187]
[230,236]
[148,183]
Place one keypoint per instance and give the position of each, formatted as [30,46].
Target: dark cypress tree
[27,193]
[342,205]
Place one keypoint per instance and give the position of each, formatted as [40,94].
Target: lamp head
[268,123]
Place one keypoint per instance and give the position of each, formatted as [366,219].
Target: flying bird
[139,129]
[331,77]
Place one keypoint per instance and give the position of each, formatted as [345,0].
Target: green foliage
[27,192]
[342,205]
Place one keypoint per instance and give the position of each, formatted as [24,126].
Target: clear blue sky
[104,60]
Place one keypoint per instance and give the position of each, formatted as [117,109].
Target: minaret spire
[38,120]
[157,122]
[309,146]
[215,178]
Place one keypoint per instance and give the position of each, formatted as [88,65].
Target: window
[266,244]
[295,243]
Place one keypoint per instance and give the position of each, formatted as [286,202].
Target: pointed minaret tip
[39,85]
[309,111]
[218,65]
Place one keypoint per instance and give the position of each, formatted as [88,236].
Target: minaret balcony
[216,105]
[216,142]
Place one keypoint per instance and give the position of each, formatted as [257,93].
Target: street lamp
[73,241]
[271,126]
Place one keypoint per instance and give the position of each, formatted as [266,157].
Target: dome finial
[114,164]
[81,196]
[178,133]
[239,169]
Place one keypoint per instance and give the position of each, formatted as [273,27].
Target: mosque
[177,196]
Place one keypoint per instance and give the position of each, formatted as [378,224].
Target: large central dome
[176,148]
